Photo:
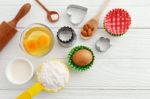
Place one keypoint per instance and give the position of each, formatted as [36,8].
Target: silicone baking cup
[76,67]
[117,22]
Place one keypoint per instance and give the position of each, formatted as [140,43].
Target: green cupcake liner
[77,67]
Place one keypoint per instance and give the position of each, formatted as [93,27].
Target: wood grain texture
[133,45]
[105,74]
[38,15]
[121,73]
[85,94]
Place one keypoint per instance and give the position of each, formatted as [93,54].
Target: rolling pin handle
[22,12]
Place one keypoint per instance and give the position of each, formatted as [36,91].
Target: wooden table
[123,72]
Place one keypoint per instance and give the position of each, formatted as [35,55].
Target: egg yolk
[31,45]
[43,41]
[38,41]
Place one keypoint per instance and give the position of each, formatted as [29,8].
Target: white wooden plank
[83,94]
[37,15]
[96,2]
[13,2]
[105,74]
[133,45]
[81,2]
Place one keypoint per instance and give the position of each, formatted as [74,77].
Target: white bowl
[19,71]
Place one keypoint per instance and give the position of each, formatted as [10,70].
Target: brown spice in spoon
[87,30]
[91,26]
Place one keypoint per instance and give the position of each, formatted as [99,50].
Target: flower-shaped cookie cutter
[102,44]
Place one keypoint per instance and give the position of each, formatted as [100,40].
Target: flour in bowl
[53,75]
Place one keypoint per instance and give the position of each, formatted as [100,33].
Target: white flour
[54,75]
[54,16]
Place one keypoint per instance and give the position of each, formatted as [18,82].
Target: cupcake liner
[76,67]
[68,42]
[115,35]
[117,22]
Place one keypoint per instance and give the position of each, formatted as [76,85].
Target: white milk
[19,71]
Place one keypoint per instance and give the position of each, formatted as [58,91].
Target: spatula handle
[22,12]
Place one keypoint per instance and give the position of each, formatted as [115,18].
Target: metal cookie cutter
[76,13]
[102,44]
[66,36]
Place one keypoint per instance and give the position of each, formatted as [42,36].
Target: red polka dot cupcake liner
[117,22]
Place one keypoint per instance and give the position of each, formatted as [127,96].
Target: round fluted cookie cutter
[66,36]
[102,44]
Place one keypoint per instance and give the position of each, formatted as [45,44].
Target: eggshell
[82,57]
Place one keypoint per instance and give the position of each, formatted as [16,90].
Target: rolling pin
[8,29]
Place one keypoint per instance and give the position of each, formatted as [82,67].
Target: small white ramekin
[8,71]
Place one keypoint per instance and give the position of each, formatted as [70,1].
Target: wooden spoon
[91,26]
[52,16]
